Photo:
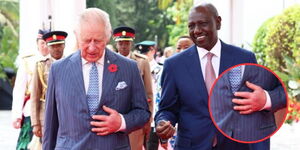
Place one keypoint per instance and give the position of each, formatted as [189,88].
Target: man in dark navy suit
[187,77]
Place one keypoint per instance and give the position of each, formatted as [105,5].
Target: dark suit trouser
[152,144]
[227,144]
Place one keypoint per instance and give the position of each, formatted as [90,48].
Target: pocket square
[121,85]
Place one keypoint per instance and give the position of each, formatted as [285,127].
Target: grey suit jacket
[67,119]
[250,127]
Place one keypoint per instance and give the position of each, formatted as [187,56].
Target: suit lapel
[226,58]
[247,71]
[108,76]
[76,74]
[194,68]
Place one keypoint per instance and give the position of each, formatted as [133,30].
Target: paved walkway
[8,134]
[287,138]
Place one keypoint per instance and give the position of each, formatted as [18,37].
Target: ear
[218,22]
[76,33]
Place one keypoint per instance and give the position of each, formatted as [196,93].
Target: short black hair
[210,7]
[184,37]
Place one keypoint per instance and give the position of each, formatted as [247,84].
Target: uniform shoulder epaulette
[43,59]
[140,55]
[27,56]
[160,64]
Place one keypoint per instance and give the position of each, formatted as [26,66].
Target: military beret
[41,32]
[143,47]
[123,33]
[55,37]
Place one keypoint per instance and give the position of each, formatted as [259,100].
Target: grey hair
[95,15]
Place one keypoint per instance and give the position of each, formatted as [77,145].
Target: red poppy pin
[113,68]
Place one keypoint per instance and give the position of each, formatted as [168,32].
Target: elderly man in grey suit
[231,105]
[95,97]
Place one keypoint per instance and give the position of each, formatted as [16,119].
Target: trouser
[25,135]
[137,139]
[152,144]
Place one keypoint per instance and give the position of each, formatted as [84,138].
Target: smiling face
[203,26]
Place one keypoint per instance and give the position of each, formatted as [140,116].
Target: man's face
[56,50]
[124,47]
[203,26]
[183,44]
[42,47]
[92,41]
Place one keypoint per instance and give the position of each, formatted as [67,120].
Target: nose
[92,45]
[197,30]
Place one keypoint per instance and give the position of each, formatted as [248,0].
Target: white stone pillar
[34,15]
[64,15]
[29,25]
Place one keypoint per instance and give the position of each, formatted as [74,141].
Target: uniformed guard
[22,92]
[148,48]
[56,43]
[124,37]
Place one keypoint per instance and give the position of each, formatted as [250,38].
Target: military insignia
[54,37]
[123,33]
[140,47]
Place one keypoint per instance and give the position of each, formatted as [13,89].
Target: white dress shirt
[216,50]
[86,67]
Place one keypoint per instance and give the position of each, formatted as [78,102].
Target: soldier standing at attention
[124,42]
[21,93]
[56,43]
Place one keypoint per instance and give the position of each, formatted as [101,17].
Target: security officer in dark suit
[124,37]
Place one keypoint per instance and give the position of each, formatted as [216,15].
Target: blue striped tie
[235,77]
[93,90]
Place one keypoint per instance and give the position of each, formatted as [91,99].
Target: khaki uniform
[39,89]
[22,96]
[22,88]
[137,137]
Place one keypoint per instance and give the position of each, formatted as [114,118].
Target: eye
[86,41]
[203,24]
[191,26]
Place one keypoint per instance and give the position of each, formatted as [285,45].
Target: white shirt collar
[216,50]
[128,56]
[99,61]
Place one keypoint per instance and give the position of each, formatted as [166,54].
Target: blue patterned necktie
[235,77]
[93,90]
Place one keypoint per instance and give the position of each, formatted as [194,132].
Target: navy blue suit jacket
[257,125]
[67,119]
[185,98]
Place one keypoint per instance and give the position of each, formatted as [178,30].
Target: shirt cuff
[268,104]
[123,124]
